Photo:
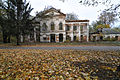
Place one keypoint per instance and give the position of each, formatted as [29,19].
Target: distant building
[53,27]
[106,34]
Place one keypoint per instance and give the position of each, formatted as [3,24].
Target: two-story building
[53,27]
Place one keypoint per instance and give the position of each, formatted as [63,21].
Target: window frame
[60,26]
[52,26]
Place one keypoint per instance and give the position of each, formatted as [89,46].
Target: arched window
[44,27]
[52,26]
[60,26]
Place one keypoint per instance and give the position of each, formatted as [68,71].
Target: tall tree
[5,21]
[18,11]
[107,17]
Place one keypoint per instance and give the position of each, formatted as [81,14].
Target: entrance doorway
[81,38]
[60,37]
[52,37]
[75,38]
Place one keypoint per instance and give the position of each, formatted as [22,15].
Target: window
[68,38]
[60,26]
[81,28]
[75,38]
[52,26]
[44,38]
[67,28]
[44,27]
[74,28]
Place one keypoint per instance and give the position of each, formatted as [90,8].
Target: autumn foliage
[58,65]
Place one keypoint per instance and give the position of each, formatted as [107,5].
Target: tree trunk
[4,37]
[9,39]
[17,38]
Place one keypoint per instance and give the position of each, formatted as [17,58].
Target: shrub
[107,39]
[113,39]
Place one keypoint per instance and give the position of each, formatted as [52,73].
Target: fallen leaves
[59,64]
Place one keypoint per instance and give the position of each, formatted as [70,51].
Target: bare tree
[71,16]
[107,17]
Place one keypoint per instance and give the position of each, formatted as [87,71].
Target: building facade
[106,34]
[54,27]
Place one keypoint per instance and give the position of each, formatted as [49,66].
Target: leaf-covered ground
[59,65]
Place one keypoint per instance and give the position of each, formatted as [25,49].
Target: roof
[109,31]
[53,9]
[77,20]
[106,31]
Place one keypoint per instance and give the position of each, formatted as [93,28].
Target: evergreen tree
[17,18]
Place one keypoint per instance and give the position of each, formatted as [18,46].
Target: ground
[38,64]
[99,43]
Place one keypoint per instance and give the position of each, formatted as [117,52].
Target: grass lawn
[104,43]
[59,65]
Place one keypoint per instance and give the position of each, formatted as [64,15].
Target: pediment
[54,12]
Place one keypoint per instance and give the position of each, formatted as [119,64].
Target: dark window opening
[74,38]
[44,38]
[60,26]
[68,38]
[44,27]
[67,28]
[116,37]
[74,28]
[52,26]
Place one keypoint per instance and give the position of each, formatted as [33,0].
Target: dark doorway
[101,38]
[52,37]
[81,38]
[94,38]
[60,37]
[74,38]
[116,37]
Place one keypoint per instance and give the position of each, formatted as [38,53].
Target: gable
[54,12]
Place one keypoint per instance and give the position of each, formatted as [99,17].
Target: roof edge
[77,20]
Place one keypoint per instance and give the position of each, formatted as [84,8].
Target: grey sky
[70,6]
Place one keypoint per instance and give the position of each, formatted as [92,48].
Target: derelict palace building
[56,28]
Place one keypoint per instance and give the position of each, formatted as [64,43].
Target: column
[72,33]
[79,33]
[57,37]
[35,34]
[64,37]
[87,32]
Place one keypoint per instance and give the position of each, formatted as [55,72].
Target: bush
[110,39]
[106,39]
[113,39]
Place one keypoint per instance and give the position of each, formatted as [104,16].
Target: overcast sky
[70,6]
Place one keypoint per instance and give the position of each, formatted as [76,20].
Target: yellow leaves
[108,68]
[103,26]
[55,64]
